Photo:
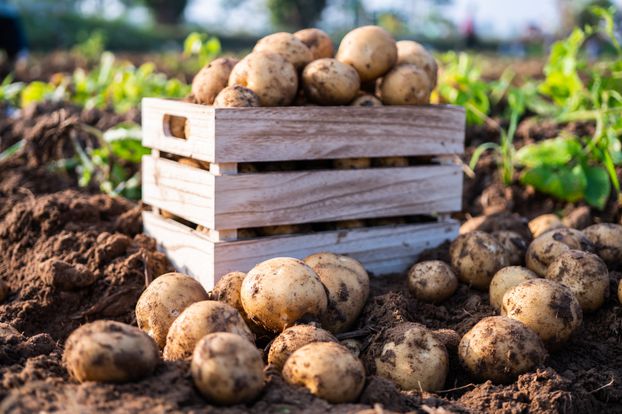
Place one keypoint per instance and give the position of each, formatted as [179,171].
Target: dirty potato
[365,99]
[544,223]
[212,79]
[514,243]
[289,46]
[370,50]
[236,96]
[294,338]
[409,51]
[351,163]
[505,279]
[607,240]
[318,42]
[405,84]
[546,247]
[330,82]
[432,281]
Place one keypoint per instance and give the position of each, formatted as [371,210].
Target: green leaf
[551,152]
[563,183]
[479,151]
[598,186]
[128,149]
[36,91]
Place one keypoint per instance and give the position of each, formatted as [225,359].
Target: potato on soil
[353,345]
[322,258]
[546,307]
[328,370]
[449,338]
[198,320]
[227,290]
[499,349]
[351,163]
[505,279]
[163,301]
[212,79]
[514,243]
[227,369]
[585,274]
[409,51]
[477,256]
[370,50]
[236,96]
[330,82]
[607,240]
[544,223]
[318,42]
[294,338]
[366,99]
[279,292]
[432,281]
[269,75]
[287,45]
[545,248]
[109,351]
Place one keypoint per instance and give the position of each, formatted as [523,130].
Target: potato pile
[369,69]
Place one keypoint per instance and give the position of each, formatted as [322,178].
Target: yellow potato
[288,45]
[409,51]
[405,84]
[514,243]
[317,41]
[607,240]
[546,247]
[212,79]
[505,279]
[432,281]
[236,96]
[330,82]
[370,50]
[294,338]
[544,223]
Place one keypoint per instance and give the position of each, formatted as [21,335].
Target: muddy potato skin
[477,256]
[287,45]
[294,338]
[281,291]
[514,243]
[328,370]
[432,281]
[505,279]
[409,51]
[546,307]
[318,42]
[585,274]
[322,258]
[546,247]
[330,82]
[406,84]
[544,223]
[499,349]
[212,79]
[163,301]
[370,50]
[607,240]
[269,75]
[366,99]
[198,320]
[236,96]
[109,351]
[227,369]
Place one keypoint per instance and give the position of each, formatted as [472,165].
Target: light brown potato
[505,279]
[288,45]
[109,351]
[330,82]
[432,281]
[477,256]
[409,51]
[177,127]
[546,247]
[405,84]
[190,162]
[585,274]
[413,357]
[269,75]
[547,307]
[318,42]
[607,240]
[499,349]
[279,292]
[294,338]
[347,283]
[544,223]
[236,96]
[212,79]
[4,290]
[366,99]
[390,162]
[351,163]
[514,243]
[163,301]
[227,369]
[370,50]
[328,370]
[198,320]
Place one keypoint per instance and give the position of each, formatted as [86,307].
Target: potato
[227,369]
[330,82]
[547,307]
[279,292]
[585,274]
[477,256]
[351,163]
[269,75]
[328,370]
[289,46]
[505,279]
[347,287]
[514,243]
[204,165]
[432,281]
[317,41]
[370,50]
[607,240]
[365,99]
[109,351]
[4,290]
[544,223]
[390,162]
[409,51]
[163,301]
[350,224]
[546,247]
[499,349]
[282,230]
[198,320]
[353,346]
[412,357]
[405,84]
[294,338]
[177,127]
[236,96]
[212,79]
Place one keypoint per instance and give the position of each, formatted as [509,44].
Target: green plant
[91,46]
[202,47]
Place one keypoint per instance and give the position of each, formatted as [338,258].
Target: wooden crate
[224,200]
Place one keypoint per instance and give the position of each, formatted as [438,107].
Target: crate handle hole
[175,126]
